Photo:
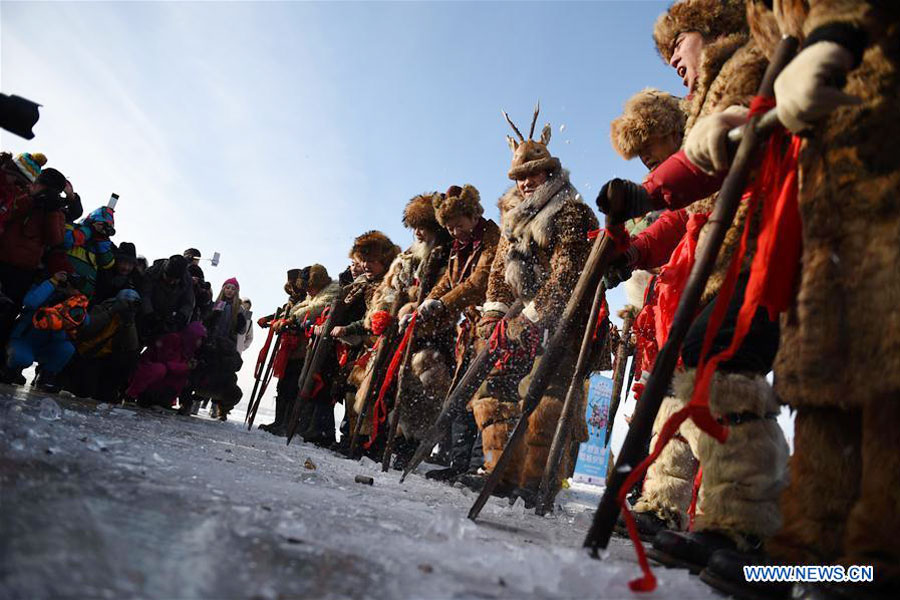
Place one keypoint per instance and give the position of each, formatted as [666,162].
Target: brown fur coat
[558,239]
[841,341]
[731,70]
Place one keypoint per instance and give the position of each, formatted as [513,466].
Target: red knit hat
[233,281]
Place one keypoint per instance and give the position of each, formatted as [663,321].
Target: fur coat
[542,252]
[841,341]
[465,281]
[731,70]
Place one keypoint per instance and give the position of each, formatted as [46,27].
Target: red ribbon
[695,493]
[380,321]
[379,411]
[290,341]
[261,359]
[772,282]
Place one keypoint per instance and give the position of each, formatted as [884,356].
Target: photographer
[53,311]
[167,298]
[34,222]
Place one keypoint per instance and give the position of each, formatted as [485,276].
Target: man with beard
[540,256]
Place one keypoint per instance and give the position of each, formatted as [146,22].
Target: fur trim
[636,287]
[649,115]
[711,18]
[419,212]
[510,199]
[495,307]
[668,487]
[465,201]
[532,222]
[374,245]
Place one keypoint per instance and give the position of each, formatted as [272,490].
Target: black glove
[620,269]
[621,199]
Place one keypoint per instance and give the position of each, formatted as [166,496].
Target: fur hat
[710,18]
[374,245]
[457,201]
[530,156]
[126,251]
[649,114]
[293,274]
[419,212]
[318,277]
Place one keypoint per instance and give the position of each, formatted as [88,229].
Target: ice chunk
[50,410]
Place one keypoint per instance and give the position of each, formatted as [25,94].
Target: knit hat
[30,164]
[317,277]
[530,156]
[175,267]
[233,281]
[374,245]
[649,115]
[104,214]
[457,201]
[419,212]
[710,18]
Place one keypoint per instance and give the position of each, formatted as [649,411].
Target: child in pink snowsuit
[165,364]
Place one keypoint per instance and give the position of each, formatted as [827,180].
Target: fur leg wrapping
[669,484]
[742,477]
[424,389]
[495,420]
[825,471]
[873,526]
[538,437]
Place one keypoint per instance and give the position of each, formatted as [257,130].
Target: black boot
[11,376]
[688,550]
[279,416]
[443,474]
[725,572]
[48,382]
[648,525]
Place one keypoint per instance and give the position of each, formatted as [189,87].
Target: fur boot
[538,437]
[495,420]
[669,483]
[742,477]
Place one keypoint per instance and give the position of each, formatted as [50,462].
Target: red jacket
[677,182]
[29,233]
[655,245]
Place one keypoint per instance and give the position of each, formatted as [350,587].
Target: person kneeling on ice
[165,365]
[53,310]
[107,349]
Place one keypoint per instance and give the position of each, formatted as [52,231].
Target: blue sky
[276,132]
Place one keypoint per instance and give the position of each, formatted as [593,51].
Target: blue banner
[593,455]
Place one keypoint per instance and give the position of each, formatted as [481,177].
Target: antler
[537,110]
[513,125]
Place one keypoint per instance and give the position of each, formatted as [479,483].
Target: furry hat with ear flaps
[419,212]
[374,245]
[710,18]
[458,201]
[649,115]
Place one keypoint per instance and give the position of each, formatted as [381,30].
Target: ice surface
[50,410]
[161,506]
